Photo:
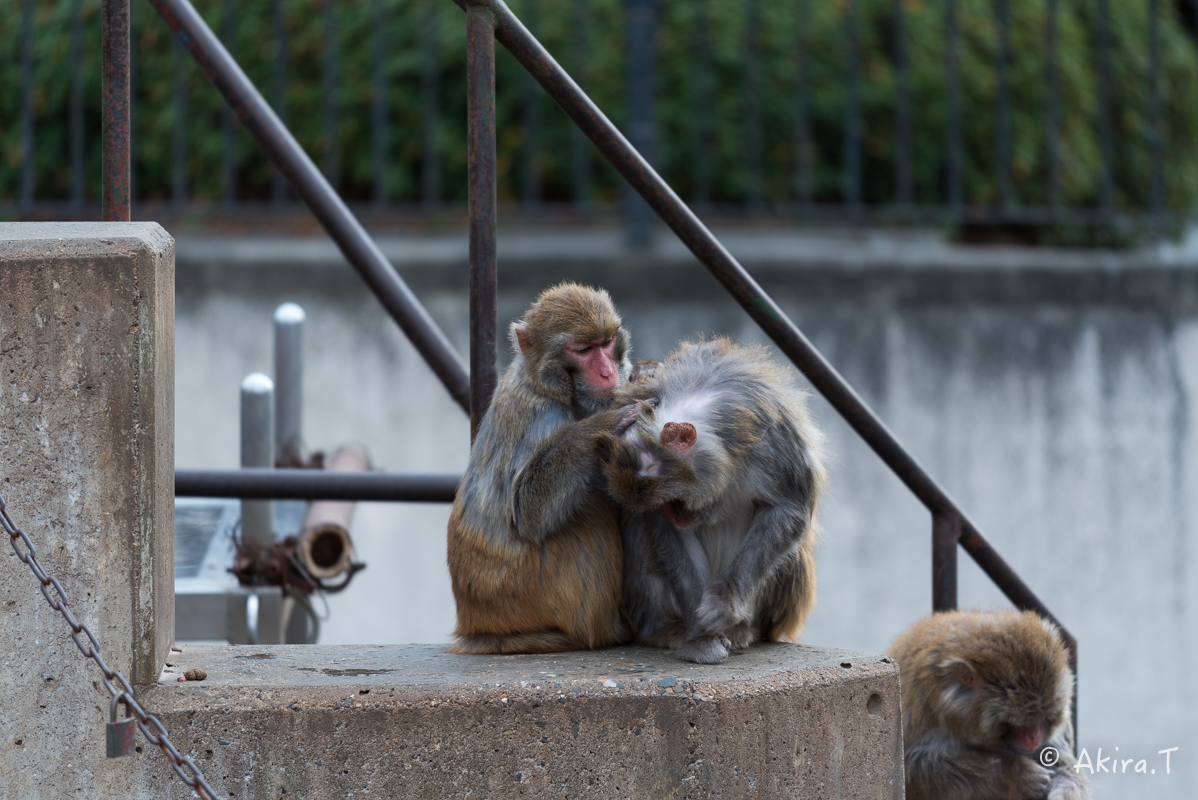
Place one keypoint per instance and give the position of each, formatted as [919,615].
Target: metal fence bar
[278,91]
[228,133]
[480,110]
[76,107]
[753,133]
[1053,66]
[852,111]
[702,109]
[315,484]
[380,106]
[330,107]
[772,320]
[530,189]
[642,21]
[946,535]
[430,117]
[178,128]
[952,78]
[580,148]
[1002,12]
[902,110]
[804,183]
[282,149]
[116,110]
[28,159]
[1156,191]
[1107,186]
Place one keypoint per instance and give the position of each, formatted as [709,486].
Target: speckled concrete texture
[86,467]
[413,721]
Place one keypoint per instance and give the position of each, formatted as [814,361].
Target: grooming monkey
[721,480]
[983,694]
[534,542]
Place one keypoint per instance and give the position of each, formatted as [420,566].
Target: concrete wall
[1051,393]
[86,463]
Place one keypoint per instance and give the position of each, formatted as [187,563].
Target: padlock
[122,735]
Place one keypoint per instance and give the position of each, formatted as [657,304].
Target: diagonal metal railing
[489,21]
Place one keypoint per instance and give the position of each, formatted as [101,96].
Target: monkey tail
[511,643]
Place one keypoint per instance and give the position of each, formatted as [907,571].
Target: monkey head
[1010,690]
[575,347]
[675,468]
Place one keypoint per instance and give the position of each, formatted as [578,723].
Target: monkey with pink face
[719,483]
[535,555]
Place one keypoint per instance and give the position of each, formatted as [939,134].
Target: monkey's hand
[1068,785]
[1022,777]
[718,613]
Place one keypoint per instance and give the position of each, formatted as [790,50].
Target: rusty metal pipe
[480,110]
[312,187]
[324,547]
[115,123]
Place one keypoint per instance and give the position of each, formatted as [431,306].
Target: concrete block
[86,465]
[413,721]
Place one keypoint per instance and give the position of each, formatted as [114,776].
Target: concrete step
[413,721]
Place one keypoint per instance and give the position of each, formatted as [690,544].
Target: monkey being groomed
[534,542]
[719,483]
[985,697]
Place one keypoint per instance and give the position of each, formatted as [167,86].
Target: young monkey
[534,543]
[984,693]
[720,482]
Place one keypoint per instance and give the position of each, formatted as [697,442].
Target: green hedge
[1080,166]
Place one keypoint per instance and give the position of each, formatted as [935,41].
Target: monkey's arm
[554,484]
[940,768]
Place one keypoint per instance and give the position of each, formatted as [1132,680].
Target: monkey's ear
[679,436]
[522,338]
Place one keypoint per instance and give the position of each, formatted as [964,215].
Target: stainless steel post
[289,380]
[257,450]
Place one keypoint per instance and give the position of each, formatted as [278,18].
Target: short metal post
[480,110]
[257,450]
[289,385]
[946,532]
[115,109]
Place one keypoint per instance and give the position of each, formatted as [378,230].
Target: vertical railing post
[946,532]
[76,112]
[580,156]
[530,189]
[642,23]
[480,112]
[380,107]
[115,130]
[289,385]
[702,78]
[28,160]
[257,450]
[753,132]
[430,83]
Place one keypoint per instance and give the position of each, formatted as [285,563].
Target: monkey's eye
[582,351]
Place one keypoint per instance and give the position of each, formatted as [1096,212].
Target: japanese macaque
[719,483]
[985,698]
[534,542]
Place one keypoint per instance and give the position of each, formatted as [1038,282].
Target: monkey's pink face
[598,364]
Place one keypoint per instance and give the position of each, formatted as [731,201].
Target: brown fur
[970,681]
[535,555]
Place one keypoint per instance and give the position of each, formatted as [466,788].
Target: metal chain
[58,601]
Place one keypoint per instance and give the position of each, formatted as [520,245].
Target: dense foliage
[600,58]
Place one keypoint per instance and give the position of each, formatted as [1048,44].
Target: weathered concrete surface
[413,721]
[86,466]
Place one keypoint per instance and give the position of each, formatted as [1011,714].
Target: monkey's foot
[1068,787]
[740,637]
[704,650]
[716,614]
